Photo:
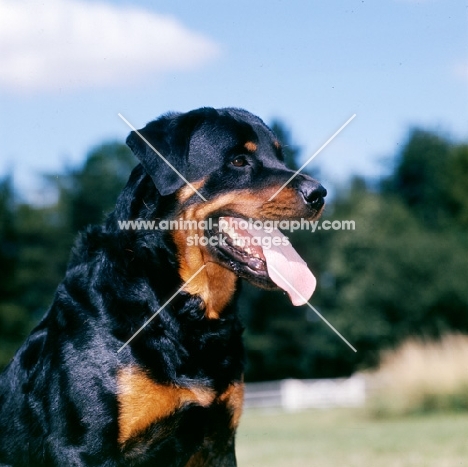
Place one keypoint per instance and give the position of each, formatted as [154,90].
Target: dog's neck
[213,283]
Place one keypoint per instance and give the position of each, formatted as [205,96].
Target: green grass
[340,437]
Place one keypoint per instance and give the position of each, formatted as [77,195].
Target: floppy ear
[170,135]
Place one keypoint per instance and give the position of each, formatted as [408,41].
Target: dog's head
[223,168]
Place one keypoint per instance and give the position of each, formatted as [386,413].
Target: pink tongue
[286,268]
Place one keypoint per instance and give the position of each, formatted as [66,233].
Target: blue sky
[69,67]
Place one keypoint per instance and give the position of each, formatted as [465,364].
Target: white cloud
[70,44]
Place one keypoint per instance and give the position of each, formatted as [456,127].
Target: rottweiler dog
[91,386]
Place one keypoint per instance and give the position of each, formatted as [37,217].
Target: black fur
[58,396]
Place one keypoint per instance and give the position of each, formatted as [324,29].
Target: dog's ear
[169,135]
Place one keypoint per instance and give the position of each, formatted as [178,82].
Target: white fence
[295,394]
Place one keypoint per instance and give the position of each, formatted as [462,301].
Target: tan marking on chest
[214,284]
[233,397]
[143,401]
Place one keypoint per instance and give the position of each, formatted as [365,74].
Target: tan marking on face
[187,191]
[216,284]
[250,146]
[143,401]
[288,204]
[276,144]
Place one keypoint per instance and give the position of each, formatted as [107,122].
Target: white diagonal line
[313,309]
[316,153]
[161,156]
[160,309]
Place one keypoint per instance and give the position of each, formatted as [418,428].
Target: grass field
[341,437]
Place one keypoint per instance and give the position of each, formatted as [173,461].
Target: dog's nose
[313,193]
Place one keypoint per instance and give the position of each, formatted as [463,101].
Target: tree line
[401,272]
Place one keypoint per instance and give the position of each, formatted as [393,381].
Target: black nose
[313,193]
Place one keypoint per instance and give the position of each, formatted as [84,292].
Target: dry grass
[422,377]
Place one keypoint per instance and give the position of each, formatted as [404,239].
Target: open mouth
[264,257]
[239,245]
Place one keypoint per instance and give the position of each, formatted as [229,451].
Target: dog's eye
[239,161]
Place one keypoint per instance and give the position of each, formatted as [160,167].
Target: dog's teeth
[239,241]
[256,263]
[230,231]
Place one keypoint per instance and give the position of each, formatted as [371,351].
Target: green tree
[35,241]
[14,319]
[89,192]
[403,271]
[421,178]
[457,185]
